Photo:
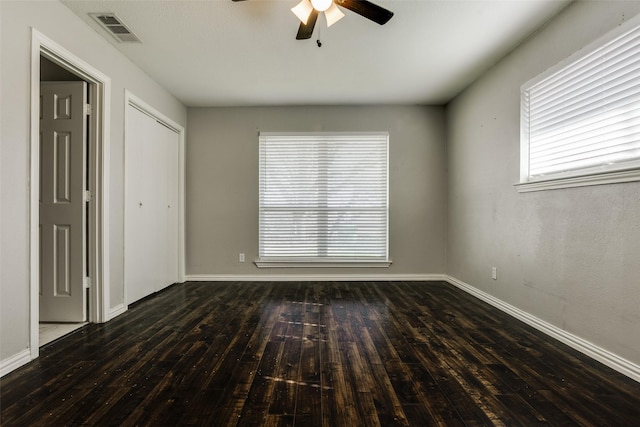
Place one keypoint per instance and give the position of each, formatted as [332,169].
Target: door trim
[132,100]
[98,250]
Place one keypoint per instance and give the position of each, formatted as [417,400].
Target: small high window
[580,121]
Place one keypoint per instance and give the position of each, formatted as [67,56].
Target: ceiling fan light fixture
[303,10]
[321,5]
[333,14]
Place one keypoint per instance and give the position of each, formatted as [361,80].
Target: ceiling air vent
[115,27]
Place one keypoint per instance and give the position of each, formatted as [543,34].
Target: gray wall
[570,257]
[58,23]
[222,183]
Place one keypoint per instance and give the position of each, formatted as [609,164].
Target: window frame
[313,262]
[598,175]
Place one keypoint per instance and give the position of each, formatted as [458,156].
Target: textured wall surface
[222,183]
[571,256]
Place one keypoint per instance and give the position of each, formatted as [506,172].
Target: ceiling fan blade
[305,31]
[365,8]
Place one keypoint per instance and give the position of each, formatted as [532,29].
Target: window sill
[579,181]
[321,264]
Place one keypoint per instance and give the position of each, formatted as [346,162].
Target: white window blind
[323,197]
[585,117]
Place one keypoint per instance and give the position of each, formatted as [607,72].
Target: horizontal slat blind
[323,197]
[586,117]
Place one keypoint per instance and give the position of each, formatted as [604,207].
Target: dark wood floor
[307,354]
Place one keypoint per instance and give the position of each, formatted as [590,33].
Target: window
[323,199]
[580,122]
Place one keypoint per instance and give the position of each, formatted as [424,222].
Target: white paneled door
[151,205]
[62,201]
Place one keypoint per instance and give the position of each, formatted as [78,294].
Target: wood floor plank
[314,354]
[310,388]
[339,406]
[261,391]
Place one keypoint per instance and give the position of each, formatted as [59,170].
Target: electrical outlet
[494,273]
[241,257]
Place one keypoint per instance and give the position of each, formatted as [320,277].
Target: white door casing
[63,139]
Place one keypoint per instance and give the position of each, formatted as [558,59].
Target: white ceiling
[224,53]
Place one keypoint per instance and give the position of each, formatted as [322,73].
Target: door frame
[99,86]
[134,101]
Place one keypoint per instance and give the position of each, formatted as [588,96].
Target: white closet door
[155,219]
[168,163]
[138,237]
[151,228]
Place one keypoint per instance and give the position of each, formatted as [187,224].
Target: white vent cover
[115,27]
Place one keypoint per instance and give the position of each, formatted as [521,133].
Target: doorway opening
[69,176]
[65,126]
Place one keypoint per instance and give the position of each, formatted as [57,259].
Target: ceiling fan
[307,11]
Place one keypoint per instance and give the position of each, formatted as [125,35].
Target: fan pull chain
[319,26]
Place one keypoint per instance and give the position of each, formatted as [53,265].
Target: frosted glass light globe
[321,5]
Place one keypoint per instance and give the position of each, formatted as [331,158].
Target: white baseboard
[603,356]
[314,277]
[116,311]
[15,361]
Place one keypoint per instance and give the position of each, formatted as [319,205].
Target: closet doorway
[152,201]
